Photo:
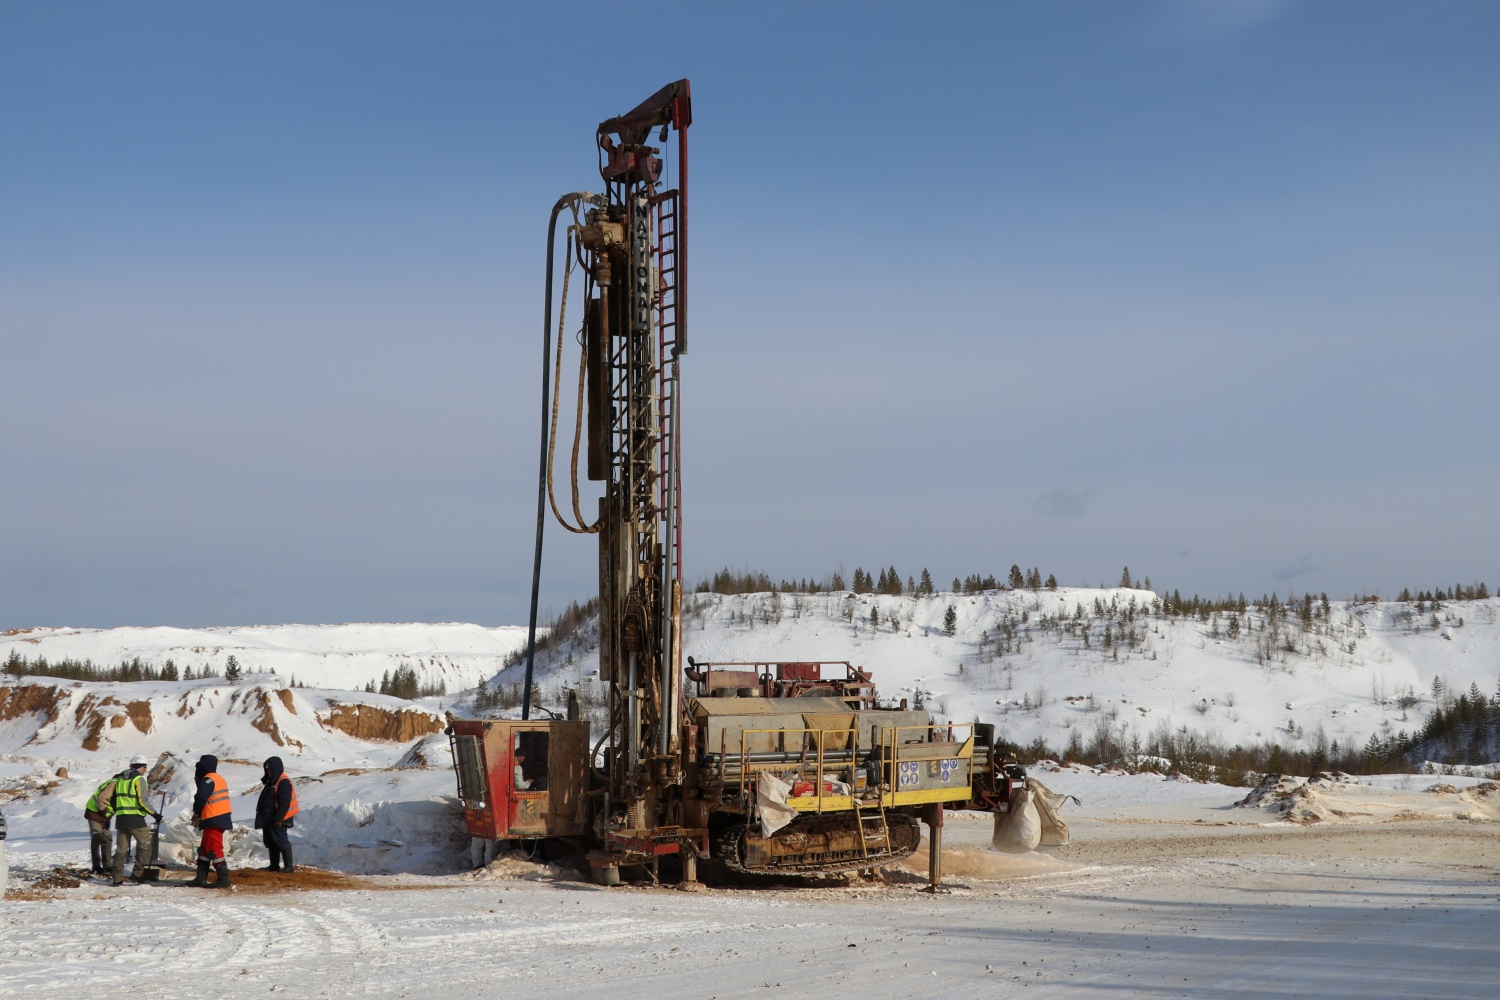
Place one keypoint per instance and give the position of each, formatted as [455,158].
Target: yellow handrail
[822,735]
[890,745]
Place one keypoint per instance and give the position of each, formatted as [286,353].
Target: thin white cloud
[1199,21]
[1063,501]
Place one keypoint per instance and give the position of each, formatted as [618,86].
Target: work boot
[201,879]
[222,868]
[116,880]
[275,863]
[287,865]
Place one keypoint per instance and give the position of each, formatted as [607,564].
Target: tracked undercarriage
[818,845]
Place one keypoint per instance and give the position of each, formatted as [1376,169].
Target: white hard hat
[139,760]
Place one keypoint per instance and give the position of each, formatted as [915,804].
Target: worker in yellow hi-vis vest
[97,812]
[130,810]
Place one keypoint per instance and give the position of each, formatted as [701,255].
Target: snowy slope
[1341,680]
[345,656]
[1010,660]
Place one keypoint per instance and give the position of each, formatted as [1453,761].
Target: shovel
[153,869]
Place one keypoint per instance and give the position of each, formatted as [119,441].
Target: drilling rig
[767,767]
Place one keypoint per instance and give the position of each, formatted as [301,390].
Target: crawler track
[904,836]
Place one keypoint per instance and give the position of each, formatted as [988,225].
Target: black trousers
[278,843]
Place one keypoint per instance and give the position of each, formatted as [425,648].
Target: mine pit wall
[94,714]
[375,722]
[32,699]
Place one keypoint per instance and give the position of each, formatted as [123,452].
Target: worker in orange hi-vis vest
[273,815]
[211,814]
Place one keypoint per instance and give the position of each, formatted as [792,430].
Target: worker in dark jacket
[211,814]
[273,814]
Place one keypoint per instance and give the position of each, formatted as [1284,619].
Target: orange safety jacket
[218,802]
[291,809]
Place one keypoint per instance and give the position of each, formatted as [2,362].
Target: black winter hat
[207,764]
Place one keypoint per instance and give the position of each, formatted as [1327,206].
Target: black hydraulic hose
[541,489]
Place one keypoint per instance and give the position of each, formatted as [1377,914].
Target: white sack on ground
[1047,803]
[1031,821]
[1018,830]
[770,797]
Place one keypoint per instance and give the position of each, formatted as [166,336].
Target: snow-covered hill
[1089,662]
[1043,665]
[349,656]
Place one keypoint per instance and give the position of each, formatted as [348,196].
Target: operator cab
[521,780]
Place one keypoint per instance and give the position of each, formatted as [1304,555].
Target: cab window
[530,755]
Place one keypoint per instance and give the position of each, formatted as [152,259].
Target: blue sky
[1205,288]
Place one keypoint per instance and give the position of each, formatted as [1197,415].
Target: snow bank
[1342,798]
[422,836]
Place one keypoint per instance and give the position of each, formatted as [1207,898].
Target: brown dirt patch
[265,720]
[286,699]
[372,722]
[90,717]
[28,699]
[140,715]
[44,887]
[304,879]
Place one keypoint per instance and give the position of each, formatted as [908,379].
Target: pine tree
[1017,579]
[1125,581]
[950,621]
[1051,581]
[1034,579]
[837,583]
[957,586]
[232,670]
[925,588]
[895,582]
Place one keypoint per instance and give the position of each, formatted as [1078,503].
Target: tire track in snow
[55,946]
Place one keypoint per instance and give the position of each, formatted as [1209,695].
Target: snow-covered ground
[1159,911]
